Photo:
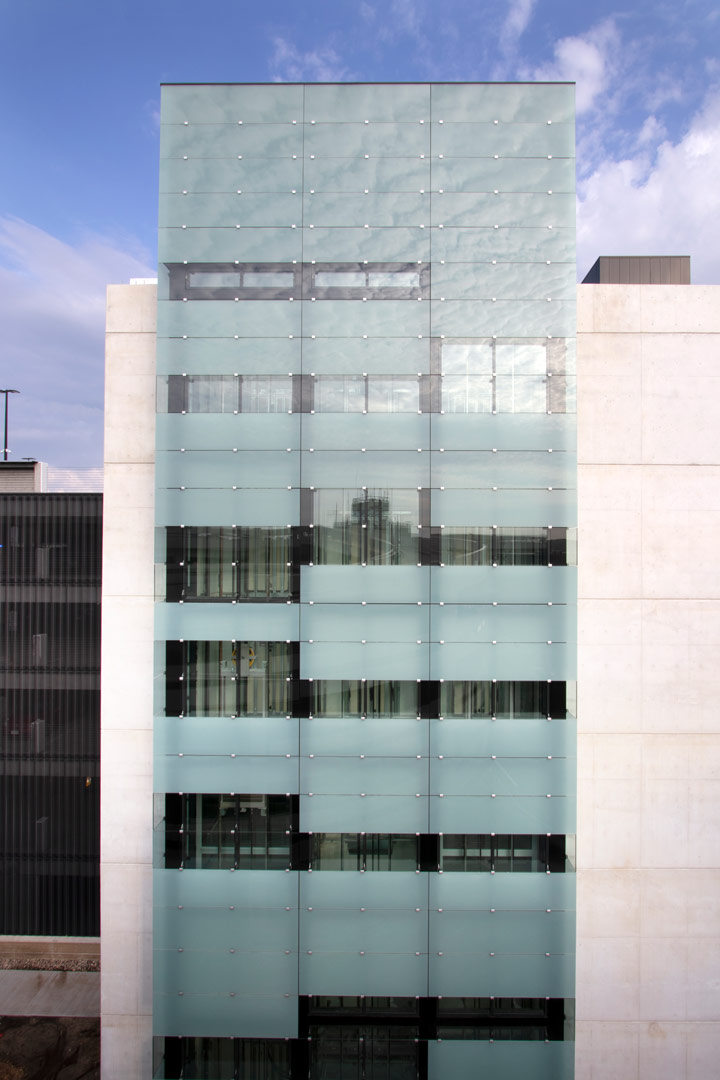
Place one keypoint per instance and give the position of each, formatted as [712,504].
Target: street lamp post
[5,443]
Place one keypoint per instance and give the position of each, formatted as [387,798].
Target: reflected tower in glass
[365,629]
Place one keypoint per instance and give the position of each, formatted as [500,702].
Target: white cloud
[651,132]
[516,22]
[53,337]
[666,206]
[288,64]
[589,60]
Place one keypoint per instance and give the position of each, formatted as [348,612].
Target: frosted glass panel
[502,975]
[394,431]
[248,507]
[222,432]
[347,660]
[376,584]
[506,776]
[481,736]
[384,974]
[375,931]
[503,507]
[246,1015]
[506,584]
[515,431]
[371,622]
[372,775]
[373,813]
[266,735]
[234,771]
[374,736]
[502,814]
[509,932]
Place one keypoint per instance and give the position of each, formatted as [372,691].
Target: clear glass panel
[208,279]
[267,279]
[364,698]
[467,394]
[372,527]
[393,394]
[243,678]
[467,358]
[248,832]
[364,851]
[340,393]
[340,279]
[212,394]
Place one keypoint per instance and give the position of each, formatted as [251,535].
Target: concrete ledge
[49,993]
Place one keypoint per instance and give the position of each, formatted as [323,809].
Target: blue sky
[79,142]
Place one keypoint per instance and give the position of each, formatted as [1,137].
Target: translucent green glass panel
[276,140]
[504,174]
[347,890]
[370,622]
[204,622]
[328,930]
[511,892]
[403,244]
[221,929]
[505,584]
[216,356]
[519,814]
[481,736]
[232,208]
[392,431]
[396,584]
[225,432]
[371,468]
[220,971]
[516,431]
[508,317]
[504,507]
[225,103]
[353,318]
[256,507]
[387,974]
[248,1014]
[371,813]
[347,660]
[516,469]
[532,244]
[223,318]
[392,103]
[506,622]
[372,775]
[372,355]
[229,175]
[526,660]
[267,735]
[502,975]
[218,889]
[518,103]
[508,932]
[408,174]
[505,776]
[236,771]
[516,281]
[375,208]
[217,469]
[255,244]
[517,208]
[377,139]
[466,139]
[500,1060]
[374,736]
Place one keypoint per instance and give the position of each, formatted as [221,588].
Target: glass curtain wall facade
[50,567]
[365,628]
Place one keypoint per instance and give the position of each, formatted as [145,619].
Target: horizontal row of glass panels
[354,356]
[377,318]
[266,507]
[475,779]
[396,102]
[453,736]
[471,280]
[376,208]
[392,244]
[343,467]
[413,175]
[350,140]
